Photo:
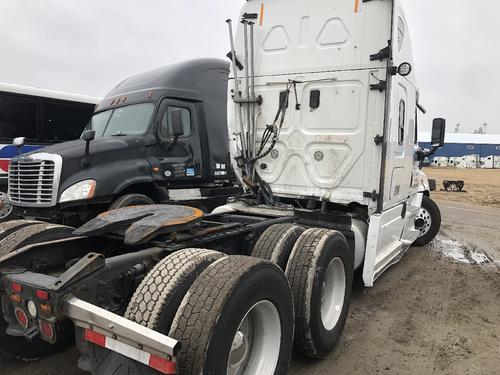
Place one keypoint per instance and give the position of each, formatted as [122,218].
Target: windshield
[129,120]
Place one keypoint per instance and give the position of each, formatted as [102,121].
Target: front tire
[237,318]
[430,215]
[320,271]
[131,200]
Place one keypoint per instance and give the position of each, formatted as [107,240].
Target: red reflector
[95,338]
[162,365]
[47,329]
[16,287]
[21,317]
[42,294]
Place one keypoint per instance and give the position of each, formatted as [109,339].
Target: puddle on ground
[460,252]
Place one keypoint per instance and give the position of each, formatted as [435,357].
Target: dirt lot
[436,312]
[482,185]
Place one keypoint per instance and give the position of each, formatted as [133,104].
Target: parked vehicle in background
[490,162]
[153,136]
[322,111]
[43,117]
[440,162]
[468,162]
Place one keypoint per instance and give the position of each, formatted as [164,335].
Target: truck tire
[276,243]
[237,316]
[11,226]
[431,216]
[131,200]
[6,209]
[33,234]
[320,272]
[19,347]
[155,303]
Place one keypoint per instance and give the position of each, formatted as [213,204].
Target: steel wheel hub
[426,218]
[5,206]
[255,346]
[333,293]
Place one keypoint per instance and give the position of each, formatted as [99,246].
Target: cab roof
[192,80]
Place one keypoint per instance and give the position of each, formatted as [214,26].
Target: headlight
[79,191]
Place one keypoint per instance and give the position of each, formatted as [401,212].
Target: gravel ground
[436,312]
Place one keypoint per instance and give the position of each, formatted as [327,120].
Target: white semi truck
[322,124]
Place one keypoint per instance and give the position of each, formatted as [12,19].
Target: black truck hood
[112,160]
[76,149]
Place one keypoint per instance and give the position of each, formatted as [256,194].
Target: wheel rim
[256,344]
[5,206]
[424,215]
[333,293]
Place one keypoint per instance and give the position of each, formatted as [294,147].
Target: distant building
[458,145]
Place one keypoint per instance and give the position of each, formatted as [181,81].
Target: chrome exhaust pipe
[237,93]
[247,91]
[252,90]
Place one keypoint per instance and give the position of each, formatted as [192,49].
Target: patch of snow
[459,252]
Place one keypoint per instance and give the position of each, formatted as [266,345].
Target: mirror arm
[86,158]
[168,146]
[432,151]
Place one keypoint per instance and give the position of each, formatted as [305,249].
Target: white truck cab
[331,86]
[322,118]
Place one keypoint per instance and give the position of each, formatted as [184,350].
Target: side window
[401,33]
[166,122]
[416,127]
[402,119]
[64,122]
[18,118]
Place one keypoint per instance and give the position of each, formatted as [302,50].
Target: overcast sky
[89,46]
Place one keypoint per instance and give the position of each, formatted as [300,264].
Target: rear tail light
[47,330]
[15,298]
[16,287]
[42,294]
[21,317]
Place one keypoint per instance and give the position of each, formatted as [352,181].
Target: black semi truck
[157,137]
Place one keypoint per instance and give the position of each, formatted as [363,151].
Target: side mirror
[177,127]
[88,135]
[438,132]
[19,141]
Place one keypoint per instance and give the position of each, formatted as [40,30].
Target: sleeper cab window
[401,33]
[401,126]
[166,122]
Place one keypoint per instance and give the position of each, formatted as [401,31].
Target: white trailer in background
[468,162]
[490,162]
[322,112]
[440,162]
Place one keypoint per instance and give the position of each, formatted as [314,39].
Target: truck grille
[33,182]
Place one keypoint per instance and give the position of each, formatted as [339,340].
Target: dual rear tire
[202,298]
[319,267]
[235,314]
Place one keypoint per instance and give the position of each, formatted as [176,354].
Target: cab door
[178,158]
[388,232]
